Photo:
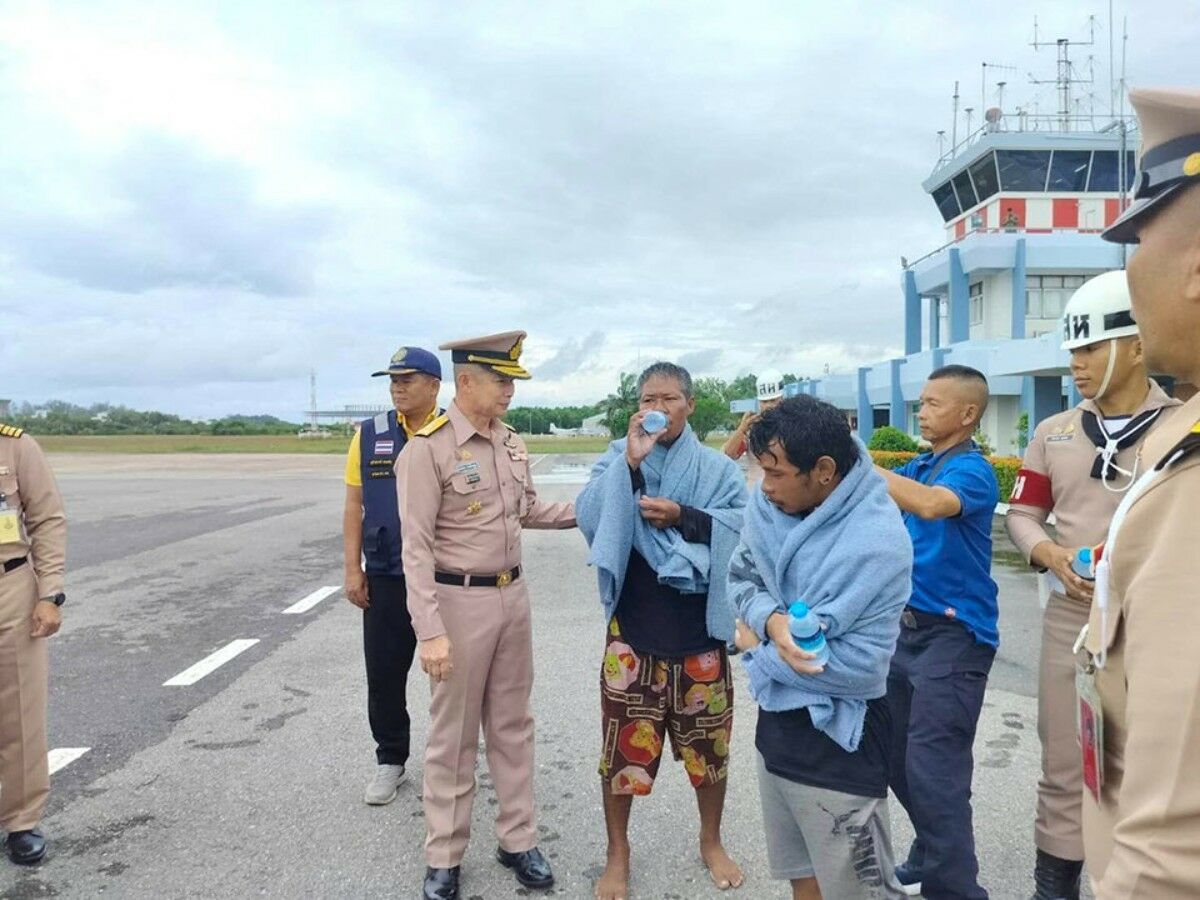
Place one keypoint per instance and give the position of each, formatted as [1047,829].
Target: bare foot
[724,871]
[614,883]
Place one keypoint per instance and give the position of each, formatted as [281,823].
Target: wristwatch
[57,599]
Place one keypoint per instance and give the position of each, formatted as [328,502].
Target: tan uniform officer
[1141,668]
[1078,466]
[33,553]
[465,494]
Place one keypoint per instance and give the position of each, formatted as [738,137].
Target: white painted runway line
[301,606]
[211,663]
[61,757]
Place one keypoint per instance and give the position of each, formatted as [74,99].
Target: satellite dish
[992,116]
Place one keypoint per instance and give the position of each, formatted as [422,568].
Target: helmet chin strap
[1109,452]
[1108,371]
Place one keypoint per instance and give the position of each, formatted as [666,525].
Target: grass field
[204,443]
[189,443]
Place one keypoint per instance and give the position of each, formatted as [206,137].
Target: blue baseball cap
[412,359]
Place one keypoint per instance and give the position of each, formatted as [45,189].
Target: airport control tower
[1023,199]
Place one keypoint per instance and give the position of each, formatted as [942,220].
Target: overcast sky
[203,201]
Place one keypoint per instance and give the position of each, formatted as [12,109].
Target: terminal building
[1023,201]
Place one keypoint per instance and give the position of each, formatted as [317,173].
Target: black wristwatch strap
[57,599]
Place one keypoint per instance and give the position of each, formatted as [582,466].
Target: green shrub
[1006,473]
[984,444]
[891,459]
[893,439]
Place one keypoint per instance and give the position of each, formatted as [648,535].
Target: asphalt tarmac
[247,780]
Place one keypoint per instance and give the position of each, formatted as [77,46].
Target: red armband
[1032,489]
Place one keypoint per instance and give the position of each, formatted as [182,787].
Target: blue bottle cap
[654,422]
[1085,554]
[799,609]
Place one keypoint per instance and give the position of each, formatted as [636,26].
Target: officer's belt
[499,580]
[10,564]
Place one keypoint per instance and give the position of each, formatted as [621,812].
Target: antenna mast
[1065,76]
[954,123]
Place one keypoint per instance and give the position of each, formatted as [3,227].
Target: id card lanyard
[1104,568]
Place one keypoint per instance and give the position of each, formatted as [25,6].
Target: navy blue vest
[381,440]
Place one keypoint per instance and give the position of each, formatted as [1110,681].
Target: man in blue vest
[371,531]
[948,635]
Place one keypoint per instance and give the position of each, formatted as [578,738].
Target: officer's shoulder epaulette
[1185,448]
[433,426]
[10,431]
[509,427]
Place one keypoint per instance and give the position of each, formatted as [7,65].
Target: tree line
[713,396]
[57,417]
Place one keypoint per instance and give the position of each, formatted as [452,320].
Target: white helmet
[770,385]
[1099,311]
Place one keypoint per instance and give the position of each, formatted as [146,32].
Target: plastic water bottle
[654,422]
[1083,565]
[806,631]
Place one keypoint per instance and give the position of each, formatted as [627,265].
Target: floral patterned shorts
[645,698]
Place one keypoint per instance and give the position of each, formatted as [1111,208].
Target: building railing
[906,264]
[1049,123]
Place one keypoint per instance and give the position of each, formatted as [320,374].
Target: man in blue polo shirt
[948,635]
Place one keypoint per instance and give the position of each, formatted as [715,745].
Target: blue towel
[850,560]
[690,474]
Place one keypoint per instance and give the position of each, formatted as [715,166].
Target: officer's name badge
[1065,433]
[465,467]
[474,508]
[10,526]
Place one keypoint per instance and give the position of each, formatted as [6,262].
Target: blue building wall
[893,384]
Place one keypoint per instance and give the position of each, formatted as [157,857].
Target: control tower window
[966,193]
[1023,170]
[1046,295]
[1069,170]
[1130,170]
[1105,173]
[983,173]
[975,298]
[947,203]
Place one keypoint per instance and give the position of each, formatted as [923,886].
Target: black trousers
[389,643]
[935,692]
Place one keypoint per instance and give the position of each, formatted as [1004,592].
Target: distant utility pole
[312,399]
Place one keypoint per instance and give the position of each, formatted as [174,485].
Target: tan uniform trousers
[1059,828]
[24,672]
[491,647]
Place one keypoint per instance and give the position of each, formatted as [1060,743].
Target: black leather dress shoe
[531,868]
[26,847]
[441,884]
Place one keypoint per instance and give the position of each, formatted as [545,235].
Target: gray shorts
[842,840]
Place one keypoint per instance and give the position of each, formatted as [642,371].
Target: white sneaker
[383,787]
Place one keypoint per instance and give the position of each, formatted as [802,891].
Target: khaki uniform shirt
[464,498]
[1083,506]
[29,488]
[1143,843]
